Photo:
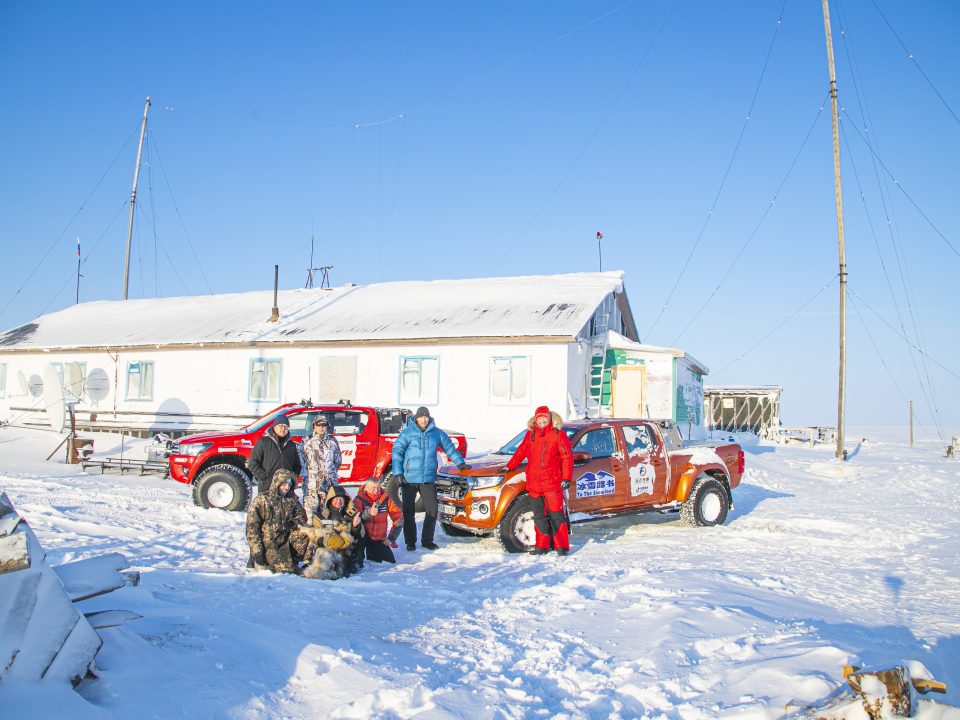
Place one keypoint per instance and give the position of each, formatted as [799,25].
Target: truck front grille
[451,487]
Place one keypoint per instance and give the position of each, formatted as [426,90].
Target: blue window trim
[400,401]
[126,381]
[511,401]
[250,397]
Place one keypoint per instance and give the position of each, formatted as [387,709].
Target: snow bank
[645,618]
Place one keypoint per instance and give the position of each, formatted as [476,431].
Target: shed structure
[744,408]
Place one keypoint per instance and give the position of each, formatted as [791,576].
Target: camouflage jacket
[272,518]
[323,461]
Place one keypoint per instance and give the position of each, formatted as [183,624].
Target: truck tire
[515,530]
[453,531]
[392,486]
[707,505]
[224,486]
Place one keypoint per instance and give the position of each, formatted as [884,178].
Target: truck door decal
[641,479]
[348,453]
[591,485]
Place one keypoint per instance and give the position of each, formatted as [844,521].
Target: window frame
[613,436]
[126,385]
[266,397]
[511,399]
[426,402]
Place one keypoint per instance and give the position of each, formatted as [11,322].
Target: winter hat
[282,420]
[284,476]
[421,412]
[542,411]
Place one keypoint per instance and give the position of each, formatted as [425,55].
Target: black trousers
[428,493]
[376,551]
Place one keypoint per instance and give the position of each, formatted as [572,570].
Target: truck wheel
[392,486]
[224,486]
[707,505]
[453,531]
[515,530]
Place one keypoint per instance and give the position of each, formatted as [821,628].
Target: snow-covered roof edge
[618,341]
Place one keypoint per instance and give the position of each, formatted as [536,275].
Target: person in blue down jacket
[415,467]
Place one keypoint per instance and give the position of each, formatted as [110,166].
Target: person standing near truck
[322,452]
[549,456]
[415,467]
[274,451]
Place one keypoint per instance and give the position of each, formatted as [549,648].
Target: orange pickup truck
[620,465]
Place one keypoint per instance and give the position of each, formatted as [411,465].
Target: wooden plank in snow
[14,552]
[8,523]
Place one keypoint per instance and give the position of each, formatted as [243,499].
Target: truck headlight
[486,481]
[193,449]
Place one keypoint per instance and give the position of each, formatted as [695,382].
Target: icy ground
[821,564]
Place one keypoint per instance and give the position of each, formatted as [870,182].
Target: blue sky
[426,140]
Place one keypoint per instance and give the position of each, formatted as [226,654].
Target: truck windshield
[511,447]
[265,420]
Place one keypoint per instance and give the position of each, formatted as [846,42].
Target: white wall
[202,383]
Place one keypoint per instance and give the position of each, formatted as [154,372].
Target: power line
[590,139]
[183,225]
[70,222]
[912,59]
[896,332]
[756,228]
[789,318]
[726,172]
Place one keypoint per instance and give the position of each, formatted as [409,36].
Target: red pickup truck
[216,463]
[620,465]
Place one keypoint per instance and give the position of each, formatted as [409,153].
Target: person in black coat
[275,450]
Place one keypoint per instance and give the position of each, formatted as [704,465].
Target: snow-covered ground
[822,563]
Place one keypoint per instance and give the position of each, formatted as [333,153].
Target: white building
[481,354]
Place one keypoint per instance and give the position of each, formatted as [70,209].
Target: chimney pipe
[275,315]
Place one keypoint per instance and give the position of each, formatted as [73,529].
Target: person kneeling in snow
[377,509]
[335,538]
[273,520]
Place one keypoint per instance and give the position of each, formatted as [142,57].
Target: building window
[71,376]
[509,380]
[3,380]
[419,380]
[265,376]
[140,380]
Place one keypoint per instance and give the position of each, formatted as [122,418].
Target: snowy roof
[616,340]
[743,389]
[530,306]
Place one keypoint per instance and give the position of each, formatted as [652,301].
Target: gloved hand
[400,479]
[503,469]
[565,484]
[463,466]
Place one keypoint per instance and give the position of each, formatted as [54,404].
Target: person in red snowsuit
[549,456]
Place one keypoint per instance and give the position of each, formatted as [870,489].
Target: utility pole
[841,390]
[911,423]
[78,270]
[133,201]
[599,249]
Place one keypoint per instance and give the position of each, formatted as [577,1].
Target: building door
[628,385]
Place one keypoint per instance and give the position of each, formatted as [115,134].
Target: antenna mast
[841,390]
[133,200]
[311,270]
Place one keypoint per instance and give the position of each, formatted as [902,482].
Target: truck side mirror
[581,457]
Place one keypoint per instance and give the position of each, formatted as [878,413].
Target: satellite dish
[24,385]
[53,399]
[35,385]
[73,380]
[97,385]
